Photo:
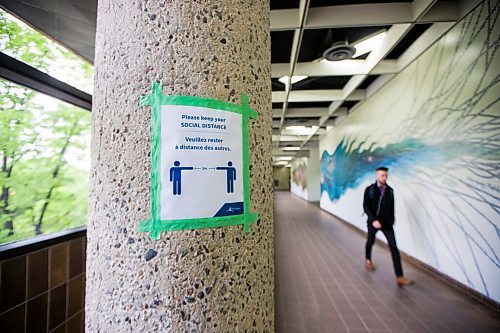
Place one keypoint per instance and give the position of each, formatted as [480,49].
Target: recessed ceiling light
[339,51]
[291,148]
[302,130]
[283,158]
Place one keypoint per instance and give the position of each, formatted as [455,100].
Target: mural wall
[305,176]
[298,175]
[436,125]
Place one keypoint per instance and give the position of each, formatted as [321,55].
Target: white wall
[313,176]
[435,125]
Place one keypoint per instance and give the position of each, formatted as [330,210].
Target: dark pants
[391,240]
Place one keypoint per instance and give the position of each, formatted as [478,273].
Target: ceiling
[70,22]
[301,30]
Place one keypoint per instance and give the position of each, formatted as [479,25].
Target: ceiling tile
[309,104]
[281,46]
[284,4]
[321,82]
[323,3]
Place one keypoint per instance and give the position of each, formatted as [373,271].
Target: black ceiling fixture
[335,49]
[316,41]
[339,51]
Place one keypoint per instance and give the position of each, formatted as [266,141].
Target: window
[44,142]
[45,154]
[25,44]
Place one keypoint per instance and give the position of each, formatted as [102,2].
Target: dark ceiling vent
[339,51]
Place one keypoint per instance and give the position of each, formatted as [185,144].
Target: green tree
[40,190]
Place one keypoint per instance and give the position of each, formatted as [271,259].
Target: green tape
[246,158]
[155,226]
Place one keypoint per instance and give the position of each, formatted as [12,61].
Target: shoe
[369,265]
[402,281]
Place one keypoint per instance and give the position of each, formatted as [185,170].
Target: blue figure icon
[230,176]
[175,176]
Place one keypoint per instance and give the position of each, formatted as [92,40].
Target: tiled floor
[322,286]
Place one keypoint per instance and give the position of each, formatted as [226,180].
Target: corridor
[322,286]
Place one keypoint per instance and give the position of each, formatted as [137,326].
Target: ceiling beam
[301,112]
[333,108]
[358,15]
[402,16]
[297,40]
[393,36]
[466,6]
[429,37]
[323,95]
[279,152]
[441,10]
[377,84]
[291,138]
[372,14]
[334,68]
[285,19]
[419,46]
[368,15]
[295,122]
[418,9]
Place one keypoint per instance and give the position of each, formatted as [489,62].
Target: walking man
[378,204]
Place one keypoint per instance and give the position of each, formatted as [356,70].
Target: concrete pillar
[205,280]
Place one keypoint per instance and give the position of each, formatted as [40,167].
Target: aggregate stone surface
[205,280]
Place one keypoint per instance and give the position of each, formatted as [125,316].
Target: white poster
[201,171]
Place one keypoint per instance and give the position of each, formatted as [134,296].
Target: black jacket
[370,203]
